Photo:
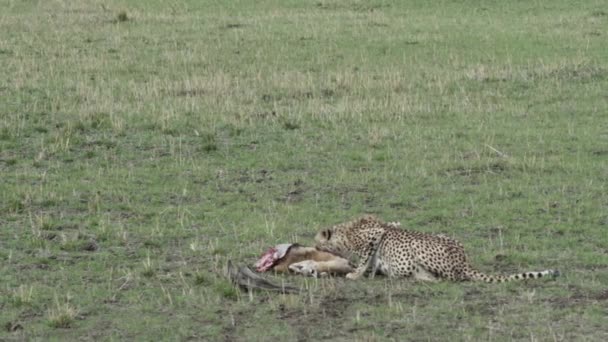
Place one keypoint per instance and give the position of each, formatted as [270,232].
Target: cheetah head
[332,241]
[345,238]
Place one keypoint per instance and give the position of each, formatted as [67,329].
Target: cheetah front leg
[361,268]
[368,255]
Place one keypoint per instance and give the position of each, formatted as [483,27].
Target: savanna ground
[145,143]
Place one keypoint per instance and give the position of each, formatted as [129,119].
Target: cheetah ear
[327,234]
[368,218]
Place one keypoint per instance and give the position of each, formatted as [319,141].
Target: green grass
[143,144]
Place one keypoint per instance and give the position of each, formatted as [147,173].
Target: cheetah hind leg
[423,275]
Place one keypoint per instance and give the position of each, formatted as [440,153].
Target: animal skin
[247,280]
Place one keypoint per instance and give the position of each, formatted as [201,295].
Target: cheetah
[386,249]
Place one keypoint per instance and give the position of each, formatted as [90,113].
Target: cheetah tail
[478,276]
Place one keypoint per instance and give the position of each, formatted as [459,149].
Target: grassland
[145,143]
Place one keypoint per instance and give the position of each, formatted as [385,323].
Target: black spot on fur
[539,274]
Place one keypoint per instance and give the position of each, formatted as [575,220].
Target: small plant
[290,125]
[122,17]
[100,120]
[209,143]
[152,244]
[226,289]
[219,251]
[15,206]
[148,268]
[22,295]
[63,315]
[200,279]
[44,222]
[5,133]
[195,246]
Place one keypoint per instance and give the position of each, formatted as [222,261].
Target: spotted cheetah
[387,249]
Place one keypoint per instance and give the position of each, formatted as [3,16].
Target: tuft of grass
[149,269]
[201,279]
[122,17]
[208,142]
[22,295]
[290,125]
[62,315]
[219,251]
[14,205]
[226,290]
